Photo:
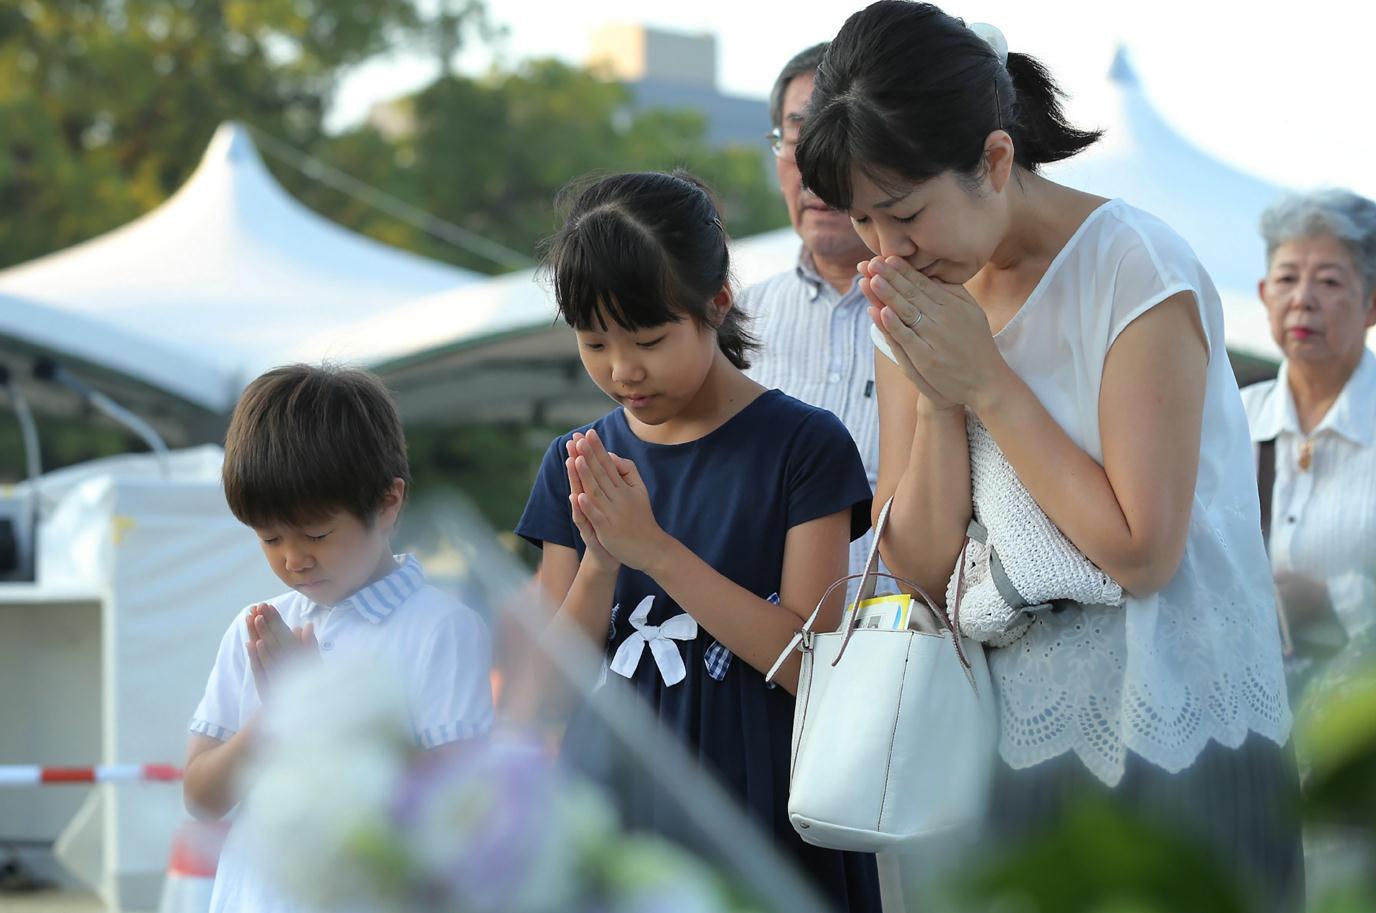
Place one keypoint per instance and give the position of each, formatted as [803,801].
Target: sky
[1280,90]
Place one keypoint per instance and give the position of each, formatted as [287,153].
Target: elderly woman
[1315,424]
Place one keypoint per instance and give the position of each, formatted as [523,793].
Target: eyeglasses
[783,144]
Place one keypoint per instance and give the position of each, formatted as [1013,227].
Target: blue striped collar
[378,600]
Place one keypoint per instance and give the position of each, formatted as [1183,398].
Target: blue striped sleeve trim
[443,734]
[204,727]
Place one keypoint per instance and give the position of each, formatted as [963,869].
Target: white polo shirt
[1323,516]
[400,622]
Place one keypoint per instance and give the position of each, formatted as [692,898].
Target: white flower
[497,828]
[317,825]
[344,812]
[330,707]
[582,823]
[651,875]
[316,816]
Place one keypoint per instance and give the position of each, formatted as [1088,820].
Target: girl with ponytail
[1086,338]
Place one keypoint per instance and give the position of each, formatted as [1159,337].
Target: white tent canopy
[136,371]
[1216,208]
[230,272]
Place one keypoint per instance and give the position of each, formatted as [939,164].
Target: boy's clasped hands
[273,646]
[610,506]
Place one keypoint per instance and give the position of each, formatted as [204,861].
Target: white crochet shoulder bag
[1016,562]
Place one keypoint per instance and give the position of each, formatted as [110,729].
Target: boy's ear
[390,508]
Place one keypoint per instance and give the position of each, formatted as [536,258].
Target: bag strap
[803,634]
[1266,485]
[872,559]
[1007,591]
[955,615]
[802,638]
[850,622]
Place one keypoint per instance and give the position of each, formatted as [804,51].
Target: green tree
[446,32]
[491,153]
[106,105]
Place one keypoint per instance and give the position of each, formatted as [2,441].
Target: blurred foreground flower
[1337,739]
[1101,859]
[344,812]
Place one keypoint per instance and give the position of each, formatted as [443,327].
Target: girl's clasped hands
[611,506]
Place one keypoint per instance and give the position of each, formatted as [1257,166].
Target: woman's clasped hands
[611,506]
[939,335]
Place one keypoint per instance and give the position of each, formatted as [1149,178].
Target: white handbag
[893,731]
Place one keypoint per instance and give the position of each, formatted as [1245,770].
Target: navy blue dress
[731,498]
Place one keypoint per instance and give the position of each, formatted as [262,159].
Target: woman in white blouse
[1088,339]
[1319,414]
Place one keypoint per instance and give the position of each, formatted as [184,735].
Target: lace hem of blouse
[1073,684]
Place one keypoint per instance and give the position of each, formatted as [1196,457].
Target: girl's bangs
[604,272]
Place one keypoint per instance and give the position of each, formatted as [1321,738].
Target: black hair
[305,441]
[805,61]
[907,92]
[644,249]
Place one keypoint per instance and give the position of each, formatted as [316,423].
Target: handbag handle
[867,587]
[868,582]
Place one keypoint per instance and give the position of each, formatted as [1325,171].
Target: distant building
[635,53]
[674,70]
[661,69]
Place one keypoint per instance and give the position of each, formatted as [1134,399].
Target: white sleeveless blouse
[1162,675]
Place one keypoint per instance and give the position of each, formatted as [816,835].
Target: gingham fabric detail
[718,658]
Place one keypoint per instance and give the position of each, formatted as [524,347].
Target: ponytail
[1041,133]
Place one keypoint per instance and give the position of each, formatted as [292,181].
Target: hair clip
[991,36]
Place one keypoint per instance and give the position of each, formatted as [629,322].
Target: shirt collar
[1277,411]
[1352,415]
[807,271]
[379,599]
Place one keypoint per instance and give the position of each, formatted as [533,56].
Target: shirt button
[834,378]
[1290,519]
[326,646]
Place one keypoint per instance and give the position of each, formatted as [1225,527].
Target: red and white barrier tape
[36,775]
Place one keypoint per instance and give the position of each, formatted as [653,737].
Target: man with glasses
[811,320]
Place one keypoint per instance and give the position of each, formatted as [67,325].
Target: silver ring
[916,321]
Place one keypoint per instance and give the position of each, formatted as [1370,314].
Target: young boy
[315,463]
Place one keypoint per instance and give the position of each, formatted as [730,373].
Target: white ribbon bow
[660,639]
